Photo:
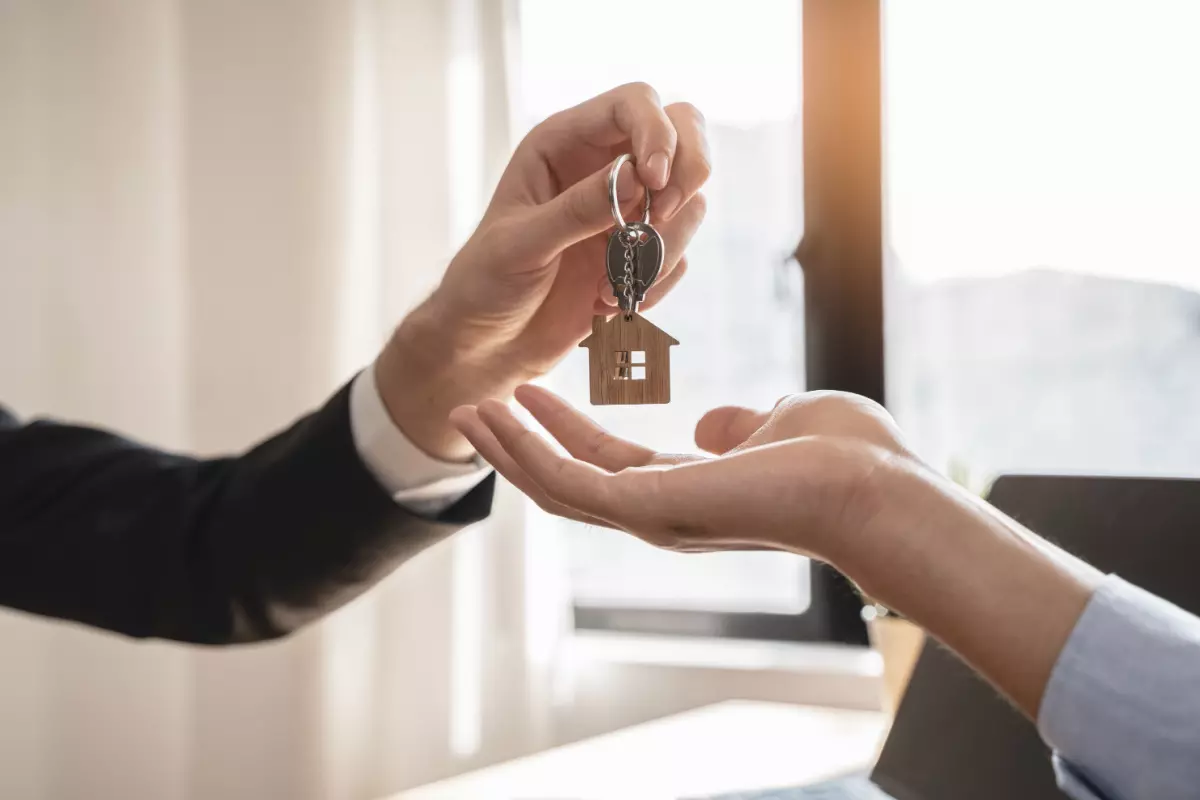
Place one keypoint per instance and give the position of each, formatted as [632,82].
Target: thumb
[723,429]
[581,210]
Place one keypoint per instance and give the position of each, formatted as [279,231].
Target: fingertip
[491,409]
[461,416]
[541,402]
[527,394]
[705,434]
[722,429]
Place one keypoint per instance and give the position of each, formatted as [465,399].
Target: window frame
[841,255]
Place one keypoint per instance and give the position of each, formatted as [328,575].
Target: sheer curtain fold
[211,213]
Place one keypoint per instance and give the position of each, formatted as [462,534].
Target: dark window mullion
[842,250]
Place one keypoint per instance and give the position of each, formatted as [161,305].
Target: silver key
[634,259]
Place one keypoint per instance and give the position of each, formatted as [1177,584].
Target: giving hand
[523,290]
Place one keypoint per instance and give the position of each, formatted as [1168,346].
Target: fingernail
[657,167]
[667,203]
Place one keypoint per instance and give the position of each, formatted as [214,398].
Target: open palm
[793,478]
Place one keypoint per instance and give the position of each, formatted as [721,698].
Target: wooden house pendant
[630,360]
[629,357]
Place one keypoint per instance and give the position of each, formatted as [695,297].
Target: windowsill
[610,680]
[599,647]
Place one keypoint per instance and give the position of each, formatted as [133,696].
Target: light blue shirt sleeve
[1122,707]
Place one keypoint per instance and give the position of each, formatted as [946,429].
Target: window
[631,365]
[743,70]
[1017,184]
[1043,199]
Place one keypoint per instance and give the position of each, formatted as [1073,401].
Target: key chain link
[633,238]
[630,238]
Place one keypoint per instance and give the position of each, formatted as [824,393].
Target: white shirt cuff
[415,480]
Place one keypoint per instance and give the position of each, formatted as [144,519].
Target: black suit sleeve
[101,530]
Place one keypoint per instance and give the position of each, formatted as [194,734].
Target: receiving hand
[802,477]
[523,290]
[826,475]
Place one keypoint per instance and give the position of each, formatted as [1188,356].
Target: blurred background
[212,213]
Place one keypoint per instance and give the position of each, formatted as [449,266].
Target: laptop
[954,736]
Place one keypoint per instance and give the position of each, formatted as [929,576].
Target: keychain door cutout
[630,361]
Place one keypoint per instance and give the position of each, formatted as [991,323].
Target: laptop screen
[954,736]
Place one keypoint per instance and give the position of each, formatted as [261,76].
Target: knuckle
[847,403]
[792,404]
[575,208]
[596,442]
[559,470]
[540,132]
[502,236]
[686,109]
[869,406]
[827,400]
[826,407]
[640,90]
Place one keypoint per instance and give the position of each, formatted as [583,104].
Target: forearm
[1109,672]
[1002,598]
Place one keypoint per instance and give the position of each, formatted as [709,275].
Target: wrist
[924,524]
[908,511]
[1001,597]
[431,365]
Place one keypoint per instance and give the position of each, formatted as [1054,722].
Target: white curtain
[211,213]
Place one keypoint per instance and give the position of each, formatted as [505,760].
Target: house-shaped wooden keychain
[630,358]
[630,361]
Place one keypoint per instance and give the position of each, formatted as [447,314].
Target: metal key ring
[612,194]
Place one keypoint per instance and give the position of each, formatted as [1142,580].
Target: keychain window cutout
[630,374]
[631,365]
